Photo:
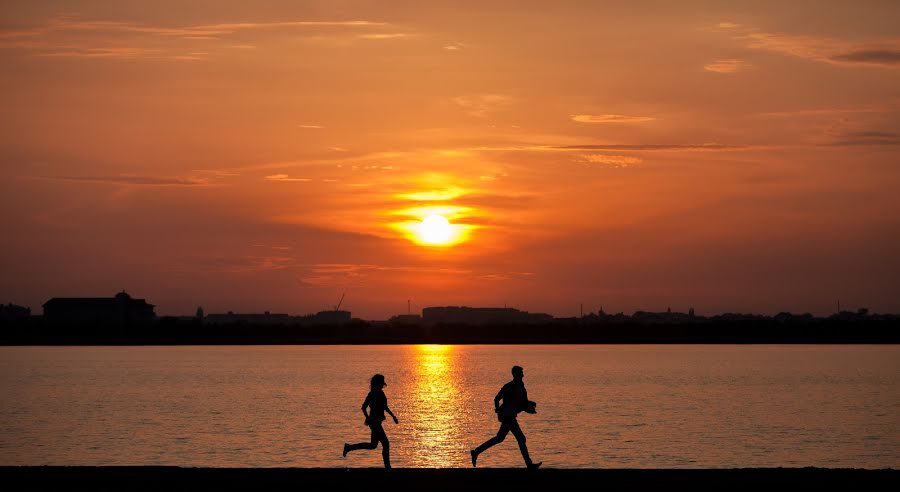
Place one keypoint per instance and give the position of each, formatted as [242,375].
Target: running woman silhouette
[377,404]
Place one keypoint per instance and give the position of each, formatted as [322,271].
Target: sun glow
[431,218]
[435,229]
[434,226]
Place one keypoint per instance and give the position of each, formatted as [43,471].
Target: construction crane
[338,307]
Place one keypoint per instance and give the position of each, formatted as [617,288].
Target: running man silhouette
[515,400]
[377,404]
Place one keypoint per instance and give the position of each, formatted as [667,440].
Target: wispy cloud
[651,147]
[688,147]
[504,276]
[347,274]
[480,105]
[612,160]
[311,127]
[877,53]
[387,35]
[285,178]
[236,264]
[269,246]
[75,36]
[882,108]
[130,180]
[78,23]
[610,118]
[116,52]
[866,138]
[876,56]
[728,66]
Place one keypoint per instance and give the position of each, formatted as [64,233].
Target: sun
[435,230]
[434,226]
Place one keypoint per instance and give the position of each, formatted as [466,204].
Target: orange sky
[249,156]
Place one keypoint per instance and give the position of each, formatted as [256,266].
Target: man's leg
[520,438]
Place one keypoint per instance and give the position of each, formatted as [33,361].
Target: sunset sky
[722,155]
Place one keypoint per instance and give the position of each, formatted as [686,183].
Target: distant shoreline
[169,331]
[259,343]
[455,479]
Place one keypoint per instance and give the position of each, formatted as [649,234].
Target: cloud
[866,138]
[235,264]
[454,46]
[612,160]
[503,276]
[497,201]
[279,248]
[119,52]
[610,118]
[313,127]
[228,28]
[393,35]
[883,53]
[535,147]
[650,147]
[873,56]
[285,178]
[76,23]
[888,107]
[336,274]
[74,36]
[727,66]
[346,274]
[216,173]
[479,105]
[133,180]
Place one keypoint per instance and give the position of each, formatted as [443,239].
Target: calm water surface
[598,406]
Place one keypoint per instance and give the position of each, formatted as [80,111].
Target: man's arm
[498,398]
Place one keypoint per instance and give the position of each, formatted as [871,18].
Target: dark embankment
[168,331]
[462,480]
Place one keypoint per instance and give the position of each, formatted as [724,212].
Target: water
[598,406]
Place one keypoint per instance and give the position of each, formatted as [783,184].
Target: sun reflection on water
[436,407]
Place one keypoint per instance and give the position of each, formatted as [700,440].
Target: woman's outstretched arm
[388,410]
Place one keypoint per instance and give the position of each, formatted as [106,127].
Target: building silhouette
[335,317]
[11,312]
[265,318]
[406,319]
[332,317]
[121,309]
[470,315]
